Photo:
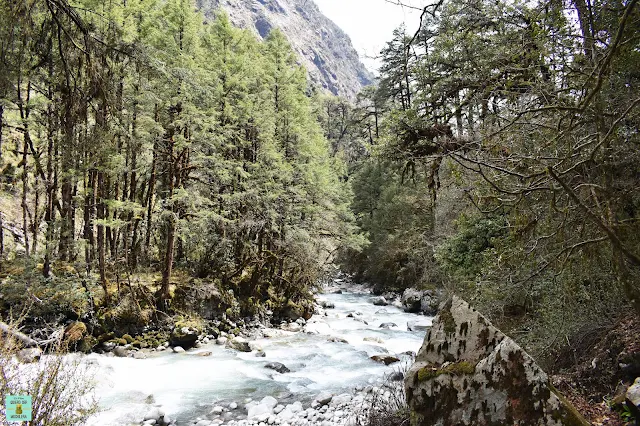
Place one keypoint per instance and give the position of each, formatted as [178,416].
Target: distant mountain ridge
[325,50]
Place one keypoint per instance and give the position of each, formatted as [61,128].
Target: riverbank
[331,352]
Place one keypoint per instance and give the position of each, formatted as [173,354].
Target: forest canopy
[137,138]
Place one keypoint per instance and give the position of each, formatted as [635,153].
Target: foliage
[149,140]
[61,386]
[516,126]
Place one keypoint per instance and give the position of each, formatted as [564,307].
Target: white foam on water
[188,386]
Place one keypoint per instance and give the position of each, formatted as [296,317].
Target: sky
[370,23]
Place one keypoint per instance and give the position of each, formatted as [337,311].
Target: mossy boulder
[87,344]
[469,373]
[75,332]
[185,333]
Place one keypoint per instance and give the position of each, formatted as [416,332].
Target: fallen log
[23,338]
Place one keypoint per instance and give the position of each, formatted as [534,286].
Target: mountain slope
[325,50]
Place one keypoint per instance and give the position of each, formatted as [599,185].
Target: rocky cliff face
[325,50]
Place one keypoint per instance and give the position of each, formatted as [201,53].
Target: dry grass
[61,386]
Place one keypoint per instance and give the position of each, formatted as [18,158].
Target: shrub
[386,405]
[61,386]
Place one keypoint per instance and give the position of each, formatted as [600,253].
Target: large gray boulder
[421,301]
[469,373]
[185,337]
[239,344]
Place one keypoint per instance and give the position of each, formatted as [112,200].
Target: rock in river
[279,367]
[384,359]
[239,344]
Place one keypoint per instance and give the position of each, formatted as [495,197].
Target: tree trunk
[101,237]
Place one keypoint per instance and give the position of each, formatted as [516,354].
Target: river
[188,386]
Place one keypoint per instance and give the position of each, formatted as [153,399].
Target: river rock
[239,344]
[418,325]
[468,372]
[323,398]
[388,325]
[384,359]
[294,327]
[178,349]
[186,337]
[140,355]
[339,400]
[154,413]
[121,352]
[257,410]
[373,339]
[380,301]
[327,305]
[221,340]
[425,301]
[279,367]
[317,327]
[204,353]
[29,355]
[336,339]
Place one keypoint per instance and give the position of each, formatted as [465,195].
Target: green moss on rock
[446,318]
[455,369]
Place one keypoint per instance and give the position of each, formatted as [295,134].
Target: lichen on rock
[469,373]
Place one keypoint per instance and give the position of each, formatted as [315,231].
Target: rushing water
[188,385]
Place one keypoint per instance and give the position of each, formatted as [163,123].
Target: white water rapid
[188,386]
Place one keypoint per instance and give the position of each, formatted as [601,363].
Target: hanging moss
[446,318]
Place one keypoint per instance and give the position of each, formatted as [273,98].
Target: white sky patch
[370,23]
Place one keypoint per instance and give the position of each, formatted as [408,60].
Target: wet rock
[382,312]
[29,355]
[205,353]
[277,366]
[384,359]
[468,373]
[327,305]
[178,349]
[380,301]
[335,339]
[388,325]
[373,339]
[396,376]
[239,344]
[260,354]
[186,337]
[221,340]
